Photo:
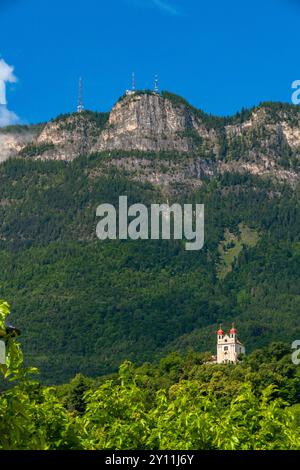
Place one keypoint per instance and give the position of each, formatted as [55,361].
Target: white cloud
[6,75]
[7,117]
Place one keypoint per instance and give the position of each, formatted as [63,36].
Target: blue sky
[220,55]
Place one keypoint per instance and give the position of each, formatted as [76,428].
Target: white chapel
[228,346]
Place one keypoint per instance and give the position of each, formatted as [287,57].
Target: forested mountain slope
[87,305]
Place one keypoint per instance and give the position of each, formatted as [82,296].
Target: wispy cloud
[7,117]
[165,6]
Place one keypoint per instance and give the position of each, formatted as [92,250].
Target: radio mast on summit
[156,90]
[133,82]
[132,91]
[80,102]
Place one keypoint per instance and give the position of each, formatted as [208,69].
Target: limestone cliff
[264,141]
[150,122]
[13,139]
[69,136]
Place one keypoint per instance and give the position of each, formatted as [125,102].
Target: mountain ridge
[85,305]
[264,140]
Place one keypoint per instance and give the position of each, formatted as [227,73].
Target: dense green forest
[181,403]
[85,305]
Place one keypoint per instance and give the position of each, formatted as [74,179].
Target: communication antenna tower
[156,90]
[80,103]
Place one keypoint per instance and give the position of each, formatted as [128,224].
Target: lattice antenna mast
[80,102]
[133,82]
[156,89]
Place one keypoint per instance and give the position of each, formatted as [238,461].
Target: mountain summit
[263,141]
[150,122]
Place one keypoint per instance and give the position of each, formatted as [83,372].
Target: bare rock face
[66,138]
[150,122]
[291,134]
[267,133]
[13,140]
[264,141]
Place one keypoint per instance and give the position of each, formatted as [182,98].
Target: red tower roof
[220,332]
[233,330]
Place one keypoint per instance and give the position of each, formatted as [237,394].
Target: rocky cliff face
[264,141]
[268,130]
[149,122]
[67,137]
[268,143]
[14,139]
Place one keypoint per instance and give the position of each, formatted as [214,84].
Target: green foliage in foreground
[123,413]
